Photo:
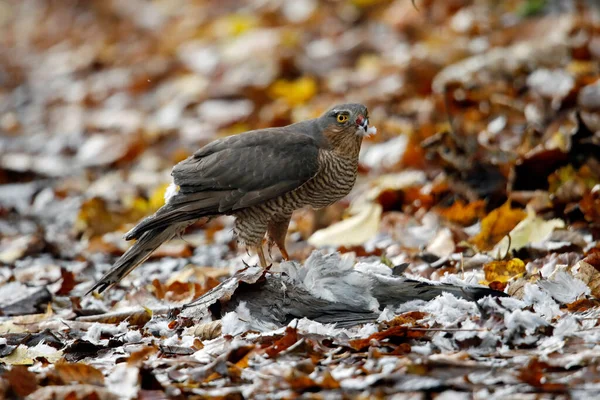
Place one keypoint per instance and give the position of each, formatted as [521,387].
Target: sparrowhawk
[260,177]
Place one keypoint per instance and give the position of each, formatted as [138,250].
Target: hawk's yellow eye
[341,118]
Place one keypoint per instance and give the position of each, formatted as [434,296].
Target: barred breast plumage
[336,177]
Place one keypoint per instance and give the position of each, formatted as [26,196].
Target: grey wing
[234,173]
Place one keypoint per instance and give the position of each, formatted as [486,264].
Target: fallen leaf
[79,372]
[207,331]
[409,318]
[289,338]
[534,374]
[68,282]
[355,230]
[296,92]
[496,225]
[21,380]
[582,305]
[462,213]
[532,229]
[137,358]
[395,335]
[503,271]
[24,355]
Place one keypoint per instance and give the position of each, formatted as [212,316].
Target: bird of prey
[260,177]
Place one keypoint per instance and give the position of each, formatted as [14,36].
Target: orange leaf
[463,213]
[582,305]
[496,225]
[328,382]
[396,334]
[290,337]
[136,359]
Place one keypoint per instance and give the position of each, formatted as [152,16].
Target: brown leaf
[328,382]
[21,380]
[133,317]
[590,206]
[68,282]
[396,335]
[409,318]
[583,305]
[80,373]
[533,374]
[290,337]
[593,258]
[137,358]
[300,382]
[499,286]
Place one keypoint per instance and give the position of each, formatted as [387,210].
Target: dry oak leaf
[589,275]
[496,225]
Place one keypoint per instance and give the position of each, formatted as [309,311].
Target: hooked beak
[362,124]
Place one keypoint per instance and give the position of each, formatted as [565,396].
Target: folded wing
[234,173]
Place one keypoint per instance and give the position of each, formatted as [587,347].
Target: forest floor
[484,174]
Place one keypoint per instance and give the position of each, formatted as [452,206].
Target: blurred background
[474,101]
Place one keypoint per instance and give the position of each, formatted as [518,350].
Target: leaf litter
[463,265]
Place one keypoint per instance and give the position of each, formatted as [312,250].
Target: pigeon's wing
[236,172]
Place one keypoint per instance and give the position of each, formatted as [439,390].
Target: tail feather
[180,207]
[137,254]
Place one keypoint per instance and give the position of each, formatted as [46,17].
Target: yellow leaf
[364,3]
[532,229]
[496,225]
[157,198]
[503,271]
[295,92]
[234,24]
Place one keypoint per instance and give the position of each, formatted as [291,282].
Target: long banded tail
[137,254]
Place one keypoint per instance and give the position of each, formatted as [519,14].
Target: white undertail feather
[171,191]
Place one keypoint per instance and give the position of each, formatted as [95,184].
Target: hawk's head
[347,121]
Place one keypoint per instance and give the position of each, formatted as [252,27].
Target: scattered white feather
[96,330]
[564,288]
[133,336]
[523,320]
[448,310]
[542,302]
[123,381]
[240,321]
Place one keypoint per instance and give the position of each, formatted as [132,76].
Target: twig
[448,330]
